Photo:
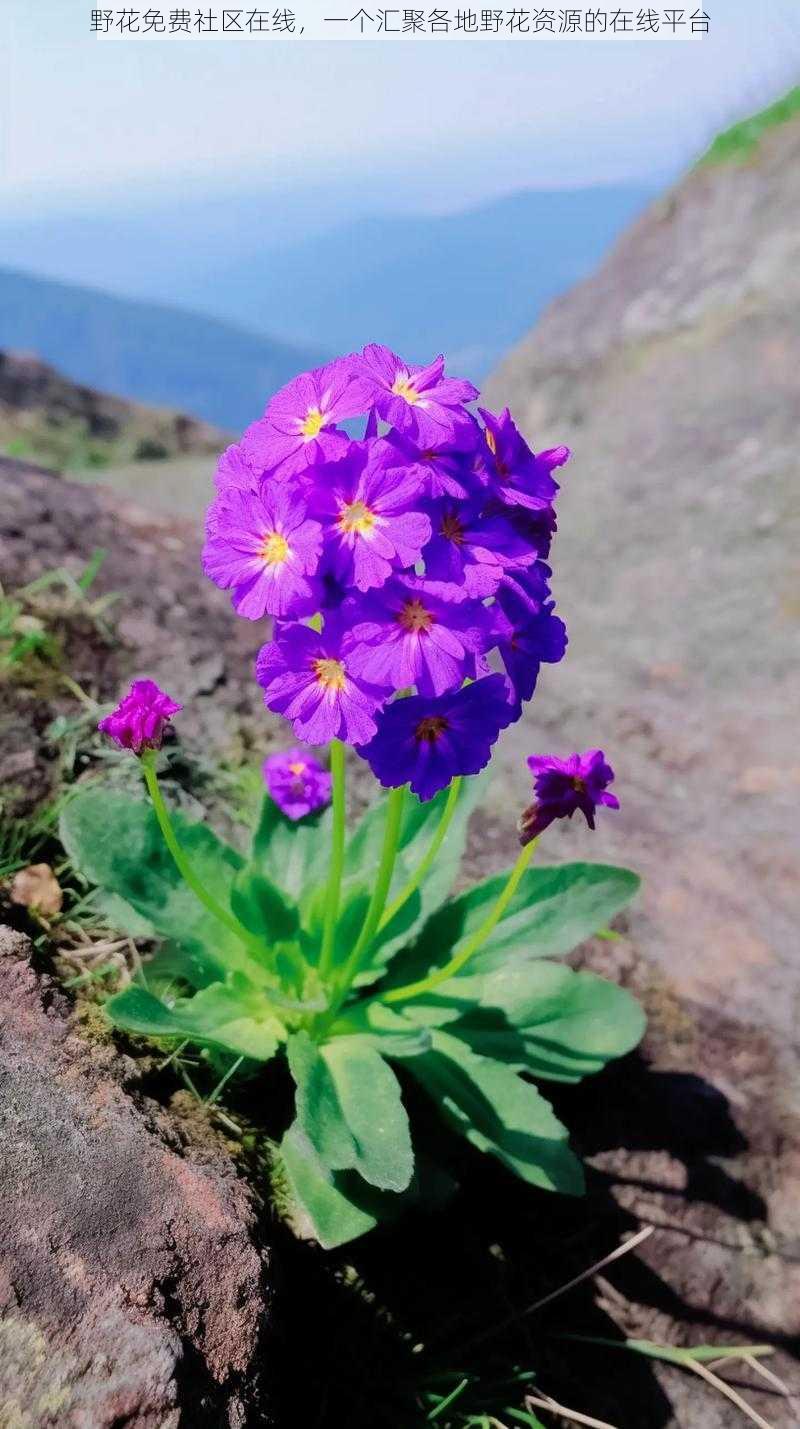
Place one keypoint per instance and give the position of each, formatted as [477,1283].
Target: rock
[133,1286]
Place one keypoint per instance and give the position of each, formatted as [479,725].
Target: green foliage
[741,141]
[233,1015]
[238,974]
[350,1108]
[499,1112]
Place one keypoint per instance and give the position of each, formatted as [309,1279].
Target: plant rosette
[405,577]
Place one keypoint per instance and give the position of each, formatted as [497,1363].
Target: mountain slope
[158,355]
[47,418]
[429,284]
[674,374]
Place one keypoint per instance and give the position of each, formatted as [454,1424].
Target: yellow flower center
[313,424]
[298,767]
[430,729]
[274,549]
[451,528]
[356,516]
[330,673]
[415,617]
[490,442]
[403,387]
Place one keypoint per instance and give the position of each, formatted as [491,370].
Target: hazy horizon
[413,128]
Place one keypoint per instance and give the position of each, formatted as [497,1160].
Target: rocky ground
[674,374]
[133,1287]
[231,1321]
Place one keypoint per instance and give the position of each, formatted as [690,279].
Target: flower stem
[428,857]
[181,862]
[472,945]
[377,903]
[337,857]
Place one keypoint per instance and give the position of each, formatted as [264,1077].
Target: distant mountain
[160,355]
[469,284]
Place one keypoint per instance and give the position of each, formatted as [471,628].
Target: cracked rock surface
[132,1283]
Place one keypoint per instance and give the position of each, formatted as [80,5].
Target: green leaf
[116,913]
[292,853]
[319,1203]
[233,1015]
[350,1108]
[261,906]
[175,964]
[369,1095]
[540,1017]
[334,1207]
[317,1105]
[552,911]
[499,1113]
[570,1023]
[392,1033]
[115,842]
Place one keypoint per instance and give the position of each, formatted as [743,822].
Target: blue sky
[417,126]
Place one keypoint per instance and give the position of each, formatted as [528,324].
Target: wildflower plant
[406,576]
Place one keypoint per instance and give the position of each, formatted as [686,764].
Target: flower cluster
[417,550]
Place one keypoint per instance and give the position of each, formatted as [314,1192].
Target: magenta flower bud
[297,782]
[139,721]
[561,786]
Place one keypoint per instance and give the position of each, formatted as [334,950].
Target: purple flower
[524,589]
[420,402]
[528,634]
[417,632]
[309,678]
[234,470]
[440,469]
[297,782]
[140,718]
[518,477]
[261,546]
[427,742]
[370,525]
[561,786]
[527,643]
[299,425]
[538,527]
[473,549]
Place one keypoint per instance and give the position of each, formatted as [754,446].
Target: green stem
[428,857]
[182,863]
[457,962]
[337,857]
[377,903]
